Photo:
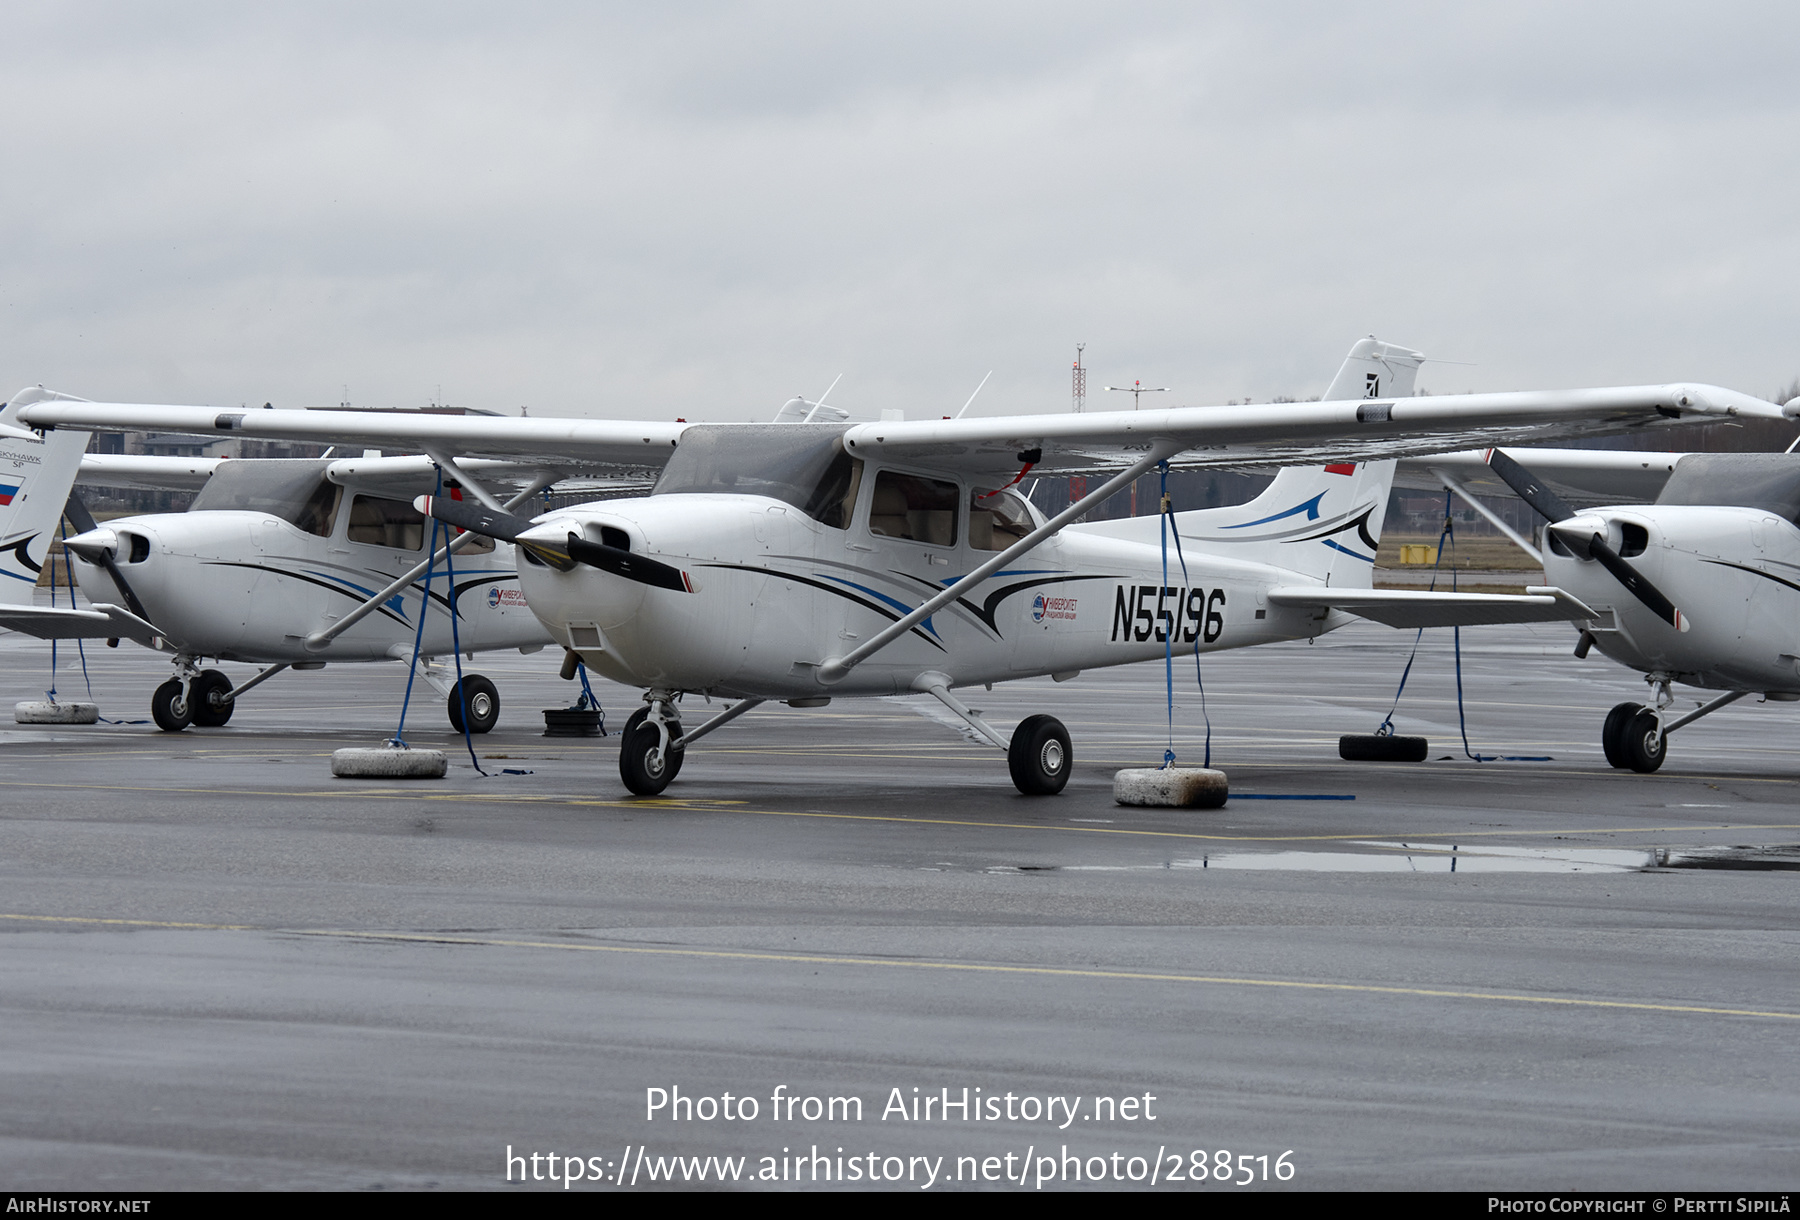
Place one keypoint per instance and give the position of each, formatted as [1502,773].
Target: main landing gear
[1039,756]
[207,697]
[653,744]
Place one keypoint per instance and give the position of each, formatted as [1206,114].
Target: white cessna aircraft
[279,563]
[1701,587]
[803,562]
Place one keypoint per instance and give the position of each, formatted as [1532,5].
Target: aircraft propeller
[509,527]
[1581,539]
[84,523]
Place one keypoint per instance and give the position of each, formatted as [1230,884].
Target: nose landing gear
[648,763]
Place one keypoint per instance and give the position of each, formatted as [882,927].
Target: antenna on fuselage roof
[971,401]
[820,404]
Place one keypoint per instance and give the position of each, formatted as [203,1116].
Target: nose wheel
[646,763]
[1633,738]
[170,708]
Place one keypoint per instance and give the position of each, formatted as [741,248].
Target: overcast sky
[704,209]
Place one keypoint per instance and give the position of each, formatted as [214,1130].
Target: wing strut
[834,669]
[319,639]
[1462,493]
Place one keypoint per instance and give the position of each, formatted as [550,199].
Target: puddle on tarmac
[1383,857]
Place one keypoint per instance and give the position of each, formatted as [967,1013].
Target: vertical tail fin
[1374,369]
[36,475]
[1324,523]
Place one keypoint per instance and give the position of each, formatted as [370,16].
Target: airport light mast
[1137,388]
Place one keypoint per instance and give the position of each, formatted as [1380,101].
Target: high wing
[1582,477]
[396,477]
[1294,433]
[1418,608]
[1281,433]
[621,446]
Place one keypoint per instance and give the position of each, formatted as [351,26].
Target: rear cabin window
[390,523]
[917,509]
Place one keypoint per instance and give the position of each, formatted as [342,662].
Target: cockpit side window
[997,520]
[834,499]
[915,508]
[319,513]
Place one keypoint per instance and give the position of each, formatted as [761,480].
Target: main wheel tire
[483,703]
[206,701]
[169,706]
[1040,757]
[1645,747]
[1612,734]
[1373,747]
[636,743]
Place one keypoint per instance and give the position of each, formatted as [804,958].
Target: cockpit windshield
[1769,481]
[294,489]
[800,464]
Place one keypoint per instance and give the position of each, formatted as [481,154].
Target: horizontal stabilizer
[1417,608]
[102,622]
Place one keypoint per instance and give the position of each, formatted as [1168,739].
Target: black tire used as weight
[483,702]
[1372,747]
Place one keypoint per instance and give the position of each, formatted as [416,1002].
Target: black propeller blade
[507,527]
[1551,507]
[1633,581]
[623,563]
[1548,504]
[485,521]
[83,520]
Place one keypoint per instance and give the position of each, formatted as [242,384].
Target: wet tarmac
[221,968]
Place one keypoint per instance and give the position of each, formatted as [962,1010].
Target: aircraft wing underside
[1582,477]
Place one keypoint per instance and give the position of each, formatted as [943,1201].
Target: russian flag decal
[7,492]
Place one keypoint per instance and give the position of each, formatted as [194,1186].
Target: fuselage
[1733,572]
[250,586]
[770,593]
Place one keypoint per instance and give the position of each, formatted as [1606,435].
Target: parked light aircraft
[803,562]
[280,563]
[1701,587]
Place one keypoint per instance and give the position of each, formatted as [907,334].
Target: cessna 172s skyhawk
[280,563]
[1701,587]
[803,562]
